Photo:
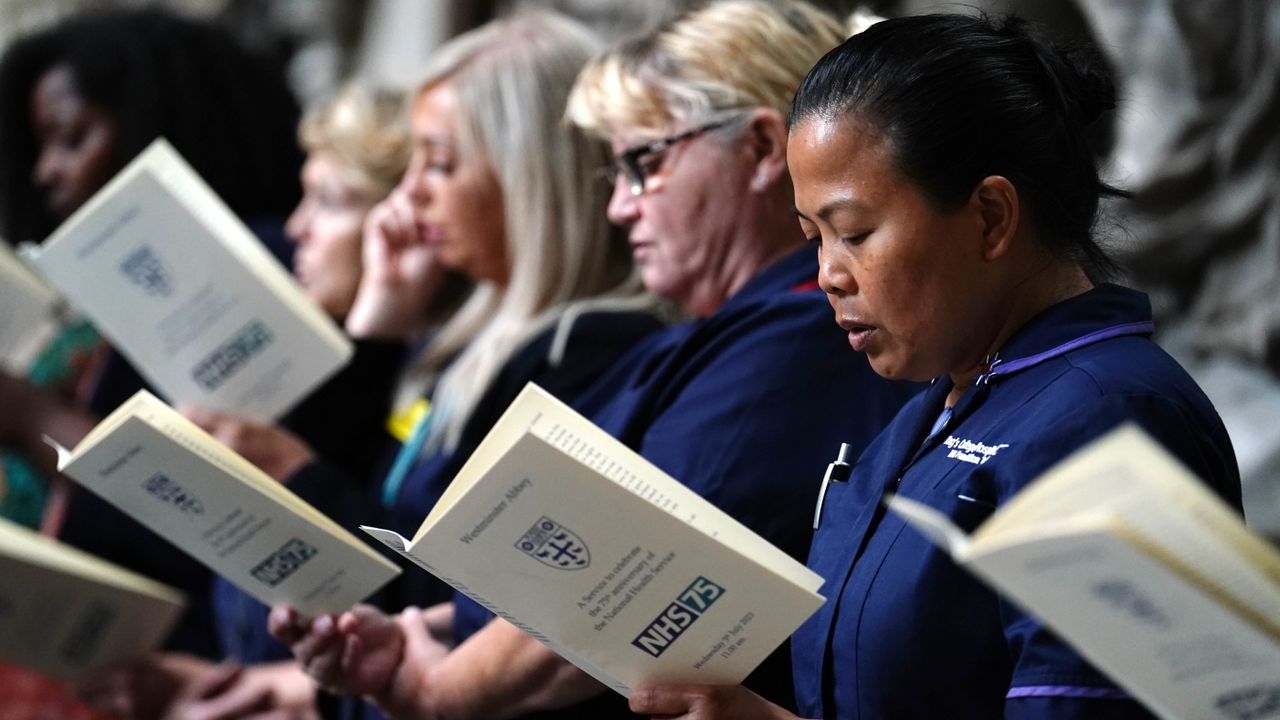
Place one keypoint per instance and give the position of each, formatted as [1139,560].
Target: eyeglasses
[629,163]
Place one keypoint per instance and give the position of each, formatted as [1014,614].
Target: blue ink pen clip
[837,471]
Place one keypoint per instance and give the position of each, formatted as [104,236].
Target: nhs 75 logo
[677,617]
[555,545]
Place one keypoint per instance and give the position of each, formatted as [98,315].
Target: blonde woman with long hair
[499,189]
[502,190]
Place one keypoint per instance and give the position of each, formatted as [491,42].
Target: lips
[860,333]
[430,234]
[858,339]
[640,248]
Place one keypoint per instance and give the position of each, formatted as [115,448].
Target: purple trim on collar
[1144,327]
[1075,691]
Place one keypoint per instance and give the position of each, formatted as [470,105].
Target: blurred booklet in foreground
[168,474]
[64,612]
[30,313]
[560,528]
[1140,567]
[186,292]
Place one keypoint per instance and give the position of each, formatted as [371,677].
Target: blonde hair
[512,78]
[366,132]
[726,56]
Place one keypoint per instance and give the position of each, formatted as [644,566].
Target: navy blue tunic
[908,634]
[746,407]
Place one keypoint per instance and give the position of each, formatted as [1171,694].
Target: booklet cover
[65,613]
[564,531]
[168,474]
[29,313]
[186,292]
[1123,553]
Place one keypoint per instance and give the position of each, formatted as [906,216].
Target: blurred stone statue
[1198,140]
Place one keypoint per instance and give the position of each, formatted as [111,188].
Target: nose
[413,183]
[624,207]
[296,226]
[834,275]
[47,170]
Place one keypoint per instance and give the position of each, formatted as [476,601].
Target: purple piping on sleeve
[1097,693]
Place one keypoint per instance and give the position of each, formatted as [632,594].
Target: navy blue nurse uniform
[745,407]
[908,634]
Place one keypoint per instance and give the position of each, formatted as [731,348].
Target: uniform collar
[1103,312]
[796,270]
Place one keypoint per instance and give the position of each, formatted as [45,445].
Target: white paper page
[28,314]
[1156,635]
[1130,476]
[270,551]
[538,413]
[65,613]
[632,591]
[174,299]
[19,543]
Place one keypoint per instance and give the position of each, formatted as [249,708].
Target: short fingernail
[324,624]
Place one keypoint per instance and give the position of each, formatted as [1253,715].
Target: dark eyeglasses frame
[627,162]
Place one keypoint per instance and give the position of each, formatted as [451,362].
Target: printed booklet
[1123,553]
[184,290]
[66,613]
[564,531]
[173,477]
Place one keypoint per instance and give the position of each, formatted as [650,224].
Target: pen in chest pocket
[837,471]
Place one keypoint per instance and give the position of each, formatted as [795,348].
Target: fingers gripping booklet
[64,612]
[564,531]
[1123,553]
[185,291]
[168,474]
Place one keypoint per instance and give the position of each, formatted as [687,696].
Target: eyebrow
[841,204]
[433,140]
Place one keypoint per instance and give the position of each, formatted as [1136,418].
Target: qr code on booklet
[284,562]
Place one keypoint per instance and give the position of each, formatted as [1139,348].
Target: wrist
[409,694]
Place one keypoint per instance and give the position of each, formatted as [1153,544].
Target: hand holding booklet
[564,531]
[168,474]
[66,613]
[1135,563]
[184,290]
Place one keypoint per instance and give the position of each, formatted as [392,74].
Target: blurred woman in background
[77,102]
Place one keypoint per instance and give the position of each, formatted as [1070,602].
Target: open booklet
[1140,567]
[564,531]
[30,313]
[186,292]
[170,475]
[64,612]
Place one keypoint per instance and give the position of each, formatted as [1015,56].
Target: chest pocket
[968,504]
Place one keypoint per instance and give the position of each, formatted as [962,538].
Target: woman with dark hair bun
[943,166]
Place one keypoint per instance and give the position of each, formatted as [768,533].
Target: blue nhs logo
[671,623]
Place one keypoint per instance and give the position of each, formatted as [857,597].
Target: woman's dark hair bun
[963,97]
[1080,76]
